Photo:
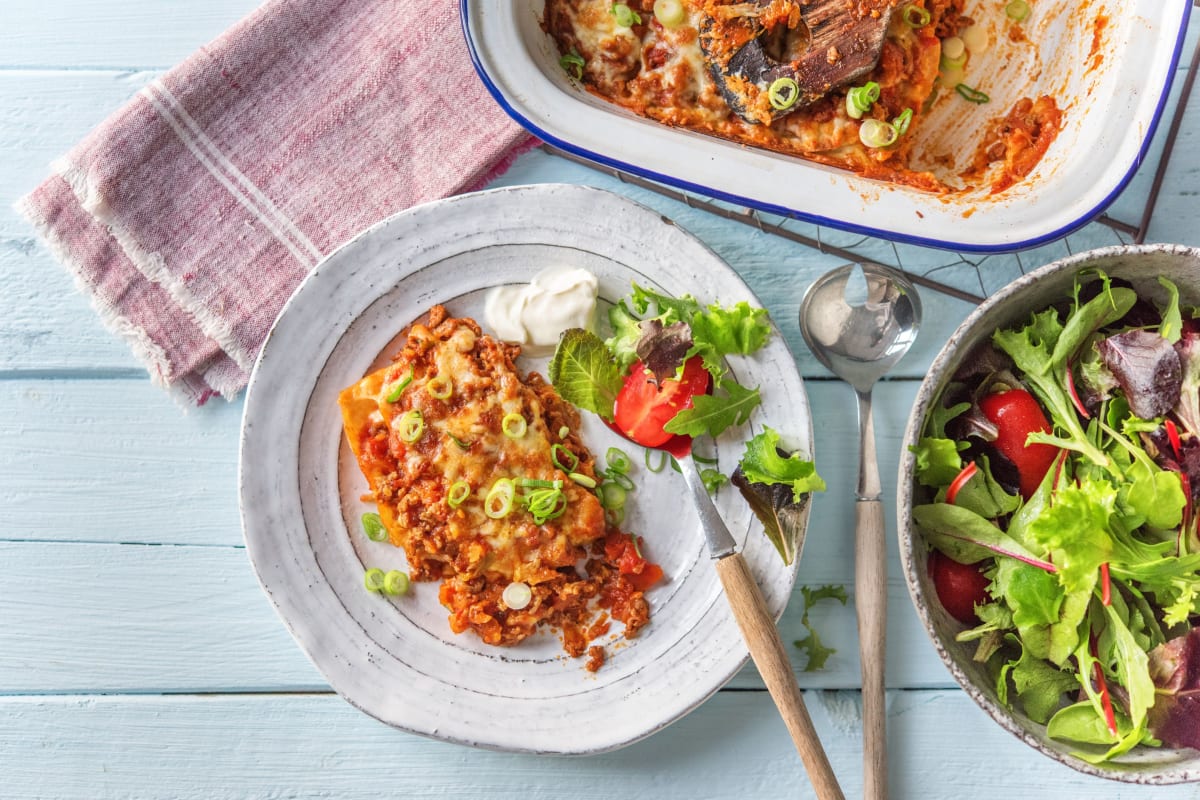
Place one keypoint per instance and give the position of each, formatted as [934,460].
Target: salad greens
[1091,619]
[665,334]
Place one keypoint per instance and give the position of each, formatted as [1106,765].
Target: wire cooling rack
[965,276]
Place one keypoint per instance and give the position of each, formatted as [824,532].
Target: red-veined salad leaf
[1175,669]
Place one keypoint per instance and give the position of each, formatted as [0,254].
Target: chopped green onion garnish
[615,516]
[373,579]
[712,480]
[860,99]
[458,494]
[373,527]
[669,12]
[699,459]
[439,387]
[973,95]
[626,16]
[572,63]
[546,504]
[459,442]
[569,461]
[637,546]
[499,500]
[399,388]
[902,122]
[395,582]
[612,496]
[1017,10]
[514,426]
[947,63]
[877,133]
[564,432]
[783,93]
[617,460]
[517,595]
[662,463]
[583,480]
[537,483]
[620,479]
[915,16]
[412,425]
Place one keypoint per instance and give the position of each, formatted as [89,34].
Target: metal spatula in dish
[772,57]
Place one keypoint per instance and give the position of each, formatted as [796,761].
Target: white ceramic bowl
[1010,306]
[1111,80]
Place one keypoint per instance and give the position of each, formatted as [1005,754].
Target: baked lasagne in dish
[480,475]
[684,63]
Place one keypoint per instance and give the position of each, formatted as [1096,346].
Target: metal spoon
[860,342]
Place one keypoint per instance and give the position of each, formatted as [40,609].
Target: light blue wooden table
[138,656]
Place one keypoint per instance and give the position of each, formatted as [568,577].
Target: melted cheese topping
[462,439]
[661,73]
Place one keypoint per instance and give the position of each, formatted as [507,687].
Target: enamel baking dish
[1109,64]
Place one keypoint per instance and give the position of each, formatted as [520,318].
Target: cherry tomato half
[958,586]
[643,406]
[1017,414]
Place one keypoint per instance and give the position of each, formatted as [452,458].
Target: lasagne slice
[470,464]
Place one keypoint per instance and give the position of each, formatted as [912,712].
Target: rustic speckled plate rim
[959,344]
[290,568]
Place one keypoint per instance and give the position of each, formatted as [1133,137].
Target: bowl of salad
[1049,509]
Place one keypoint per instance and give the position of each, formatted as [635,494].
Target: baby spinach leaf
[584,373]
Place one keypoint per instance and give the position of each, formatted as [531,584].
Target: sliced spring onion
[499,500]
[395,582]
[612,496]
[783,93]
[626,16]
[662,462]
[860,99]
[637,545]
[877,133]
[458,494]
[399,388]
[514,425]
[583,480]
[954,50]
[568,460]
[915,16]
[412,425]
[902,122]
[1017,10]
[712,480]
[440,387]
[620,479]
[617,460]
[459,442]
[573,63]
[517,595]
[970,94]
[545,504]
[564,432]
[537,483]
[615,516]
[948,65]
[976,40]
[373,527]
[669,13]
[374,579]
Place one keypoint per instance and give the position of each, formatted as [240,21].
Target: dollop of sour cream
[534,314]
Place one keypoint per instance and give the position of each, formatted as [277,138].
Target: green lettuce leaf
[712,413]
[627,330]
[811,644]
[584,372]
[937,461]
[1074,530]
[762,463]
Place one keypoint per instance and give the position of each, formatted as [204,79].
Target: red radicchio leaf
[661,349]
[1175,669]
[1148,369]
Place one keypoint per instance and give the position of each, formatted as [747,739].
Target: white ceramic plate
[1111,80]
[396,659]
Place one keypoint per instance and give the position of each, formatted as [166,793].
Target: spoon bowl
[859,320]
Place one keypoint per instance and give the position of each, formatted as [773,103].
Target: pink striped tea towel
[191,214]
